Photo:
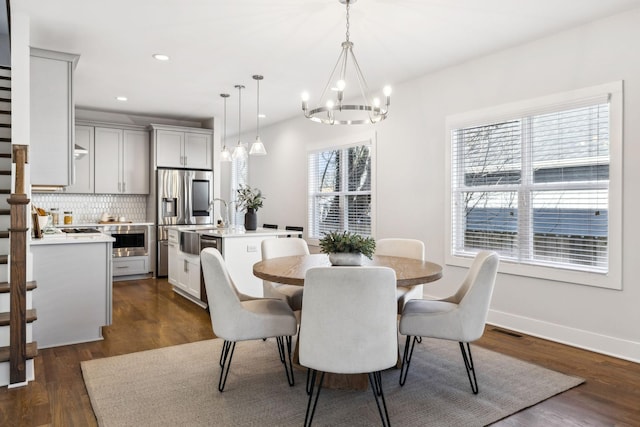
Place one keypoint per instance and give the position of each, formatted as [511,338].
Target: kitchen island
[240,249]
[74,293]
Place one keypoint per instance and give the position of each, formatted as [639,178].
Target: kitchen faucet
[225,218]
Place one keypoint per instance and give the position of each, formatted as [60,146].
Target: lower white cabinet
[132,265]
[184,269]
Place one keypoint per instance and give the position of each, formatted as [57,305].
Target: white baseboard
[4,374]
[611,346]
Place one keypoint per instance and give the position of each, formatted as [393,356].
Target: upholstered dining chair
[461,317]
[275,248]
[335,337]
[406,248]
[237,317]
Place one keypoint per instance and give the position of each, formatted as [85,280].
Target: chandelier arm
[364,89]
[328,85]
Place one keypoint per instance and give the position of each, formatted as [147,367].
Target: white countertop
[97,224]
[228,232]
[64,239]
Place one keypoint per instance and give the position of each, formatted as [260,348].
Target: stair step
[32,351]
[4,259]
[5,211]
[5,172]
[6,286]
[5,139]
[5,125]
[4,191]
[32,316]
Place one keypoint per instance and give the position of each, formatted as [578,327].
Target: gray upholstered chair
[236,317]
[460,317]
[275,248]
[335,337]
[406,248]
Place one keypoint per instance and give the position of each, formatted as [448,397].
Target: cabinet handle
[186,268]
[124,187]
[185,160]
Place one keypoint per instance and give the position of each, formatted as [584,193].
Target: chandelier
[332,110]
[240,152]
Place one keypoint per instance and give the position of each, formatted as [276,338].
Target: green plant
[346,241]
[248,198]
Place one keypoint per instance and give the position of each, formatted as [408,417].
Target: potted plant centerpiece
[347,248]
[249,200]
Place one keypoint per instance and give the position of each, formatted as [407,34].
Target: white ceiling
[215,44]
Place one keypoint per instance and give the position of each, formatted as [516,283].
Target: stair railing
[18,270]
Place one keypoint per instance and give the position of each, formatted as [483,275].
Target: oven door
[130,240]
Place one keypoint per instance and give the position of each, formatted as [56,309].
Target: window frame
[612,279]
[342,144]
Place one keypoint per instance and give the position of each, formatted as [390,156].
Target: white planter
[345,258]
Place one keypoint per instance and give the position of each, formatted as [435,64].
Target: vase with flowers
[249,200]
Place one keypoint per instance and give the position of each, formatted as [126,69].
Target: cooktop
[83,230]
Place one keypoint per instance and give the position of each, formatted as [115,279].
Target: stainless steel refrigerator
[183,197]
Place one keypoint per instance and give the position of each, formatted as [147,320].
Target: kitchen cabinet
[83,161]
[177,147]
[121,165]
[74,295]
[51,117]
[130,265]
[174,259]
[184,268]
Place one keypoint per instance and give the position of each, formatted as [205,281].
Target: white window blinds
[535,187]
[339,190]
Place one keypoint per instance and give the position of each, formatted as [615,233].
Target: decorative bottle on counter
[55,216]
[68,217]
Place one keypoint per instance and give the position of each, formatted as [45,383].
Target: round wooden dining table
[291,270]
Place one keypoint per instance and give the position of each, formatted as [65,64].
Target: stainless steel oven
[131,240]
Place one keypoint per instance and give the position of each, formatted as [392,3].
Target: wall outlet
[252,248]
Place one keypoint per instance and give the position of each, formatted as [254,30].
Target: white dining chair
[236,317]
[336,337]
[406,248]
[461,317]
[275,248]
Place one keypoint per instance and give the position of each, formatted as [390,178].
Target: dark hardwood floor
[148,315]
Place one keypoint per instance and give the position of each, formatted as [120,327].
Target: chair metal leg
[375,378]
[406,358]
[288,367]
[225,358]
[311,409]
[309,387]
[468,364]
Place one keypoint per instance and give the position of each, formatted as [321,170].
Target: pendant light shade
[225,154]
[240,151]
[257,148]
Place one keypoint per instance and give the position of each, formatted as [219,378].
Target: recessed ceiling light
[121,98]
[262,116]
[161,57]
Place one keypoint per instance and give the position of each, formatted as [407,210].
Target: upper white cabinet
[178,147]
[84,149]
[121,161]
[52,117]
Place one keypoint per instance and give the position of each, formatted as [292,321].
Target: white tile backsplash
[87,208]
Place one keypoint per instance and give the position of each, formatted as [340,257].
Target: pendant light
[331,109]
[257,148]
[240,152]
[225,154]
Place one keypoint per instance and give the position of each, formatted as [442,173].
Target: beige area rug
[178,386]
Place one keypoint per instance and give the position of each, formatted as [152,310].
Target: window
[340,182]
[535,184]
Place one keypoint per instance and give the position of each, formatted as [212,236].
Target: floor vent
[502,331]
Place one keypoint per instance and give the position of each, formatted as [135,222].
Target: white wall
[410,164]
